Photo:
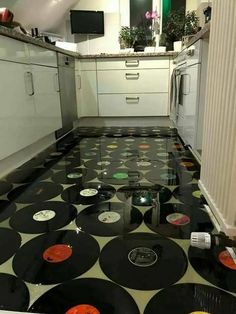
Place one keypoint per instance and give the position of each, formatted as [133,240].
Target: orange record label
[186,164]
[199,312]
[83,309]
[57,253]
[226,259]
[144,146]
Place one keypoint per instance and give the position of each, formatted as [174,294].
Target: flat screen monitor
[87,22]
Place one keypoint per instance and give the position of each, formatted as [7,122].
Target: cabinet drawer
[42,56]
[13,50]
[133,63]
[133,105]
[131,81]
[88,65]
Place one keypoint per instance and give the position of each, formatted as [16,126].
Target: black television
[87,22]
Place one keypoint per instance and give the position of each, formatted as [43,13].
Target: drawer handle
[132,63]
[133,100]
[132,76]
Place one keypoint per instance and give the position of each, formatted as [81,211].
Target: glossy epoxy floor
[101,224]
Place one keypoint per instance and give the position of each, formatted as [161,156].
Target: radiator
[218,171]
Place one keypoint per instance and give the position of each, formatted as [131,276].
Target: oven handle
[189,82]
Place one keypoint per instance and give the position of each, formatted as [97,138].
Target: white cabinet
[133,87]
[86,88]
[41,56]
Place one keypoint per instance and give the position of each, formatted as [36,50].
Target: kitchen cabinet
[86,88]
[133,87]
[30,107]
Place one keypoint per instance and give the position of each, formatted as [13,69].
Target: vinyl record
[144,164]
[5,187]
[214,265]
[120,176]
[88,193]
[14,294]
[189,164]
[127,153]
[6,209]
[10,241]
[177,220]
[86,296]
[35,192]
[72,176]
[191,298]
[101,164]
[196,175]
[144,194]
[168,176]
[43,217]
[56,154]
[28,175]
[109,219]
[189,194]
[55,257]
[63,163]
[159,155]
[143,261]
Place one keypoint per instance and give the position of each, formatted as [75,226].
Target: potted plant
[127,37]
[191,25]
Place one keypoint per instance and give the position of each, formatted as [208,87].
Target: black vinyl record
[101,164]
[168,176]
[10,242]
[72,176]
[144,194]
[196,175]
[143,261]
[35,192]
[189,164]
[177,220]
[63,163]
[27,175]
[127,153]
[43,217]
[191,298]
[144,164]
[189,194]
[14,294]
[5,187]
[86,296]
[88,193]
[55,257]
[6,209]
[120,176]
[159,155]
[215,265]
[109,219]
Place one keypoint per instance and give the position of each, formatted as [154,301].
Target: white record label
[109,217]
[44,215]
[74,175]
[88,192]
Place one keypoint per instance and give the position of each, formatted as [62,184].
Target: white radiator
[218,172]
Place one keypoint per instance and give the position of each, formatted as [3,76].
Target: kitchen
[55,201]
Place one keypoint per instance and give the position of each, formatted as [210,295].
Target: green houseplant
[127,37]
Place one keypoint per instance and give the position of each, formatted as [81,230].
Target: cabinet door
[86,89]
[17,108]
[47,100]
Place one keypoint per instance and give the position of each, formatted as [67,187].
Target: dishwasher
[66,74]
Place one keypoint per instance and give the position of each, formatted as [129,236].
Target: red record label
[178,219]
[83,309]
[57,253]
[226,259]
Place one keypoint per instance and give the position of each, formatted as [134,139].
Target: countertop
[204,33]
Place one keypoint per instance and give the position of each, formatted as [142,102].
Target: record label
[168,176]
[109,217]
[159,140]
[57,253]
[126,154]
[112,146]
[142,257]
[120,175]
[89,154]
[144,146]
[143,163]
[199,312]
[64,163]
[197,194]
[56,154]
[103,163]
[44,215]
[186,164]
[74,175]
[88,192]
[129,140]
[163,154]
[226,259]
[83,309]
[178,219]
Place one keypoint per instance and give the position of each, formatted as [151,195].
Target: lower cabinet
[30,105]
[133,104]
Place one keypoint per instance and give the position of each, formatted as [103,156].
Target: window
[137,10]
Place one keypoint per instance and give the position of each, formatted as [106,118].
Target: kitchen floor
[100,224]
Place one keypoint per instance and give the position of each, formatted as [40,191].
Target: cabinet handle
[29,83]
[187,91]
[132,63]
[79,81]
[133,100]
[132,76]
[56,83]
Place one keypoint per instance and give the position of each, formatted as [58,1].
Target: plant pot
[178,45]
[127,50]
[149,49]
